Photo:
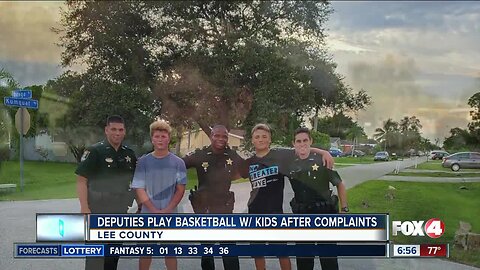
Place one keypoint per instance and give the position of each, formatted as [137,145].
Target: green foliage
[320,140]
[4,153]
[401,137]
[206,62]
[98,99]
[461,140]
[466,140]
[38,120]
[340,125]
[474,126]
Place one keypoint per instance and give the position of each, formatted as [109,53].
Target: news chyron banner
[76,235]
[213,227]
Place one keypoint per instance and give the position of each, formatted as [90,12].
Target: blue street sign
[18,102]
[24,94]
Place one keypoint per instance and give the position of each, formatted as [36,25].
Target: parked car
[381,156]
[335,152]
[440,155]
[470,160]
[434,152]
[356,153]
[394,156]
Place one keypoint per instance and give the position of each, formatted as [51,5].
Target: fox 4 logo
[434,228]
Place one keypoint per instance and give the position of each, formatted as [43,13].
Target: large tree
[403,136]
[93,99]
[466,139]
[7,84]
[206,61]
[474,126]
[38,120]
[387,135]
[410,130]
[340,125]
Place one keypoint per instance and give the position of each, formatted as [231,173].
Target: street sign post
[22,99]
[20,102]
[22,121]
[23,94]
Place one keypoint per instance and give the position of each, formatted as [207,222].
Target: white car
[433,154]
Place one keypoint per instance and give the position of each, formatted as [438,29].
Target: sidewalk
[433,171]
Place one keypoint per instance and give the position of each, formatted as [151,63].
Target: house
[335,142]
[194,139]
[346,146]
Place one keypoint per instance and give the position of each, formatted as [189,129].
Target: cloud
[25,31]
[413,58]
[442,37]
[392,84]
[31,73]
[364,15]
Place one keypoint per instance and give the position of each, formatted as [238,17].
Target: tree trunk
[205,127]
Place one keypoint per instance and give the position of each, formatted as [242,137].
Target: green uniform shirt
[310,179]
[107,170]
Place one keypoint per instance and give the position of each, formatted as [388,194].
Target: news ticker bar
[196,250]
[212,227]
[34,250]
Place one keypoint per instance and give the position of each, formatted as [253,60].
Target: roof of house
[238,132]
[334,139]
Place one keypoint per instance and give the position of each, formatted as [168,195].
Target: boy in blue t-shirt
[159,181]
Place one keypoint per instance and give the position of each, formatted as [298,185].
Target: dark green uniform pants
[107,263]
[221,207]
[106,203]
[307,263]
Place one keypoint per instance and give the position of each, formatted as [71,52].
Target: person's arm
[326,157]
[342,195]
[190,159]
[177,197]
[82,193]
[144,200]
[239,165]
[181,182]
[139,185]
[86,170]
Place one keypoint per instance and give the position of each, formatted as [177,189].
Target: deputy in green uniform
[217,166]
[312,195]
[103,180]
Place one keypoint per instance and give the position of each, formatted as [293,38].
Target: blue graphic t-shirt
[159,177]
[266,176]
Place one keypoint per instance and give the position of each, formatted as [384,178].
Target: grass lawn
[50,180]
[431,165]
[436,165]
[422,201]
[437,174]
[354,160]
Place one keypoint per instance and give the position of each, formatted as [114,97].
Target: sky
[412,58]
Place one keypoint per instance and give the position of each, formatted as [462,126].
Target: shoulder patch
[191,152]
[85,155]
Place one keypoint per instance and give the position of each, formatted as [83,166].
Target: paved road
[18,225]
